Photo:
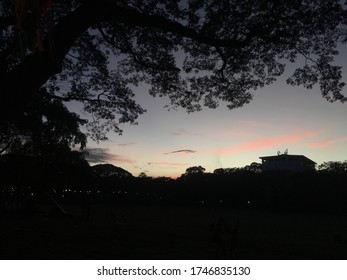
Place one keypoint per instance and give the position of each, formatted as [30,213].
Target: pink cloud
[121,159]
[326,143]
[251,129]
[168,163]
[263,144]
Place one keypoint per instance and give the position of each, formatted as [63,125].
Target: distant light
[248,202]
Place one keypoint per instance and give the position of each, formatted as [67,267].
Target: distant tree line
[70,179]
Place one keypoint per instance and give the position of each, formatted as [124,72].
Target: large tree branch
[76,98]
[18,84]
[135,18]
[26,78]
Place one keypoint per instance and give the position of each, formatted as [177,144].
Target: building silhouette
[285,162]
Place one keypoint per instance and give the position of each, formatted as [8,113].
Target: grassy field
[164,232]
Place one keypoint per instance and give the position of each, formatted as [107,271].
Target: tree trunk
[26,78]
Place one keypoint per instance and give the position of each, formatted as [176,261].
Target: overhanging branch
[36,69]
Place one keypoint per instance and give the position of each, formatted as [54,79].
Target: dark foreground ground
[163,232]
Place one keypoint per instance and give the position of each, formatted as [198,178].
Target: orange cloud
[326,143]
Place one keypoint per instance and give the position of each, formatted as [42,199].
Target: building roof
[288,156]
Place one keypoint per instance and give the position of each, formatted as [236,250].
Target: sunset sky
[280,117]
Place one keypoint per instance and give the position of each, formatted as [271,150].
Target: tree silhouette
[336,167]
[35,147]
[225,171]
[254,167]
[43,124]
[109,170]
[94,52]
[194,170]
[58,167]
[142,175]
